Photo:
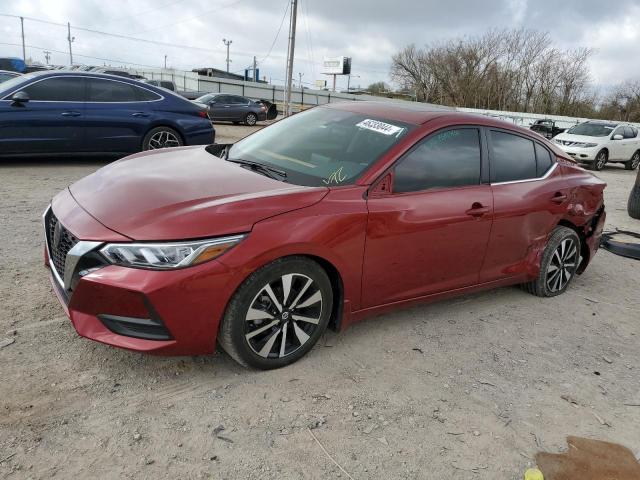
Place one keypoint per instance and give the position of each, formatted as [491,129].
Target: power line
[217,9]
[80,55]
[286,9]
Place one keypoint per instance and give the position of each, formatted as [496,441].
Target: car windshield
[6,76]
[592,129]
[322,146]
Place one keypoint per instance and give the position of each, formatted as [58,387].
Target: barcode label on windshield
[380,127]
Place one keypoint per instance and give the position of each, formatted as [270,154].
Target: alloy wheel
[283,316]
[635,161]
[163,139]
[562,266]
[251,119]
[601,159]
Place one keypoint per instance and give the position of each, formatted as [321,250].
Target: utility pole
[290,54]
[227,43]
[70,39]
[349,81]
[165,62]
[47,56]
[300,75]
[24,50]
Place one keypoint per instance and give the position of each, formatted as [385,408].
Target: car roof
[420,113]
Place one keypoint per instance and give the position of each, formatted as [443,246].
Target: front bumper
[585,155]
[174,312]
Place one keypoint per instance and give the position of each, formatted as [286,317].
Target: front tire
[600,160]
[161,137]
[278,314]
[251,119]
[559,264]
[633,206]
[634,162]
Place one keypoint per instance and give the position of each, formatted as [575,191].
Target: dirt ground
[469,388]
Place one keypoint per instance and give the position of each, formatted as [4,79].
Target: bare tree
[504,70]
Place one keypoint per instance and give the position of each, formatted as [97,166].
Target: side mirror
[617,136]
[20,97]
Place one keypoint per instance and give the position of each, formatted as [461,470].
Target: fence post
[243,89]
[302,100]
[329,98]
[273,94]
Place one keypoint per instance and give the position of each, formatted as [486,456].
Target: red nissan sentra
[317,221]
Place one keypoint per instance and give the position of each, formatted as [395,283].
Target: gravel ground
[469,388]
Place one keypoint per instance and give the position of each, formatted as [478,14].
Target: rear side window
[634,130]
[110,91]
[145,95]
[512,158]
[444,160]
[543,160]
[628,133]
[58,89]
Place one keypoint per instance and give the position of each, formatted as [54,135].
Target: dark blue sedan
[48,113]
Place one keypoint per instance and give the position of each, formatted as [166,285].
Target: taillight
[203,114]
[263,108]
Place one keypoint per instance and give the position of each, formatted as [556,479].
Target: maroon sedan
[317,221]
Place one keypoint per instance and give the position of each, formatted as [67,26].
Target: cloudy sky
[369,31]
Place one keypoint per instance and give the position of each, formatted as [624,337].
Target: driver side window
[446,159]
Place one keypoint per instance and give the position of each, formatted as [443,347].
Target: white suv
[597,143]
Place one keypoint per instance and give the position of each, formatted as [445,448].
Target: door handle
[559,197]
[139,114]
[477,210]
[71,114]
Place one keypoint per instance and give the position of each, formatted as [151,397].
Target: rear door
[239,107]
[118,115]
[52,121]
[429,233]
[617,148]
[529,199]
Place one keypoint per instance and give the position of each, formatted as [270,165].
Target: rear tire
[277,314]
[634,162]
[251,119]
[600,161]
[633,206]
[161,137]
[558,265]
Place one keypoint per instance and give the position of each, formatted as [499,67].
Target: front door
[430,232]
[50,122]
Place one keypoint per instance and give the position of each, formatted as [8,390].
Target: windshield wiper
[270,172]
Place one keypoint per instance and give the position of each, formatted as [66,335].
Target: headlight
[164,256]
[589,145]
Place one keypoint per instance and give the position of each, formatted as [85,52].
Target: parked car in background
[547,128]
[234,108]
[62,112]
[337,213]
[13,64]
[6,75]
[596,143]
[170,85]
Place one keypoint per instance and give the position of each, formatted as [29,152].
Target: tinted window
[618,131]
[100,90]
[544,160]
[634,130]
[145,95]
[628,133]
[512,158]
[447,159]
[223,99]
[238,100]
[6,76]
[59,89]
[167,85]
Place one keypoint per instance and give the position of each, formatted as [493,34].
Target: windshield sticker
[379,127]
[335,177]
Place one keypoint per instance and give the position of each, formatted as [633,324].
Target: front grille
[59,240]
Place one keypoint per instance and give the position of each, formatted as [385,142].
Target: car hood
[183,193]
[579,138]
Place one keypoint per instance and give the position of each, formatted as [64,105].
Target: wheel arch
[584,247]
[337,287]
